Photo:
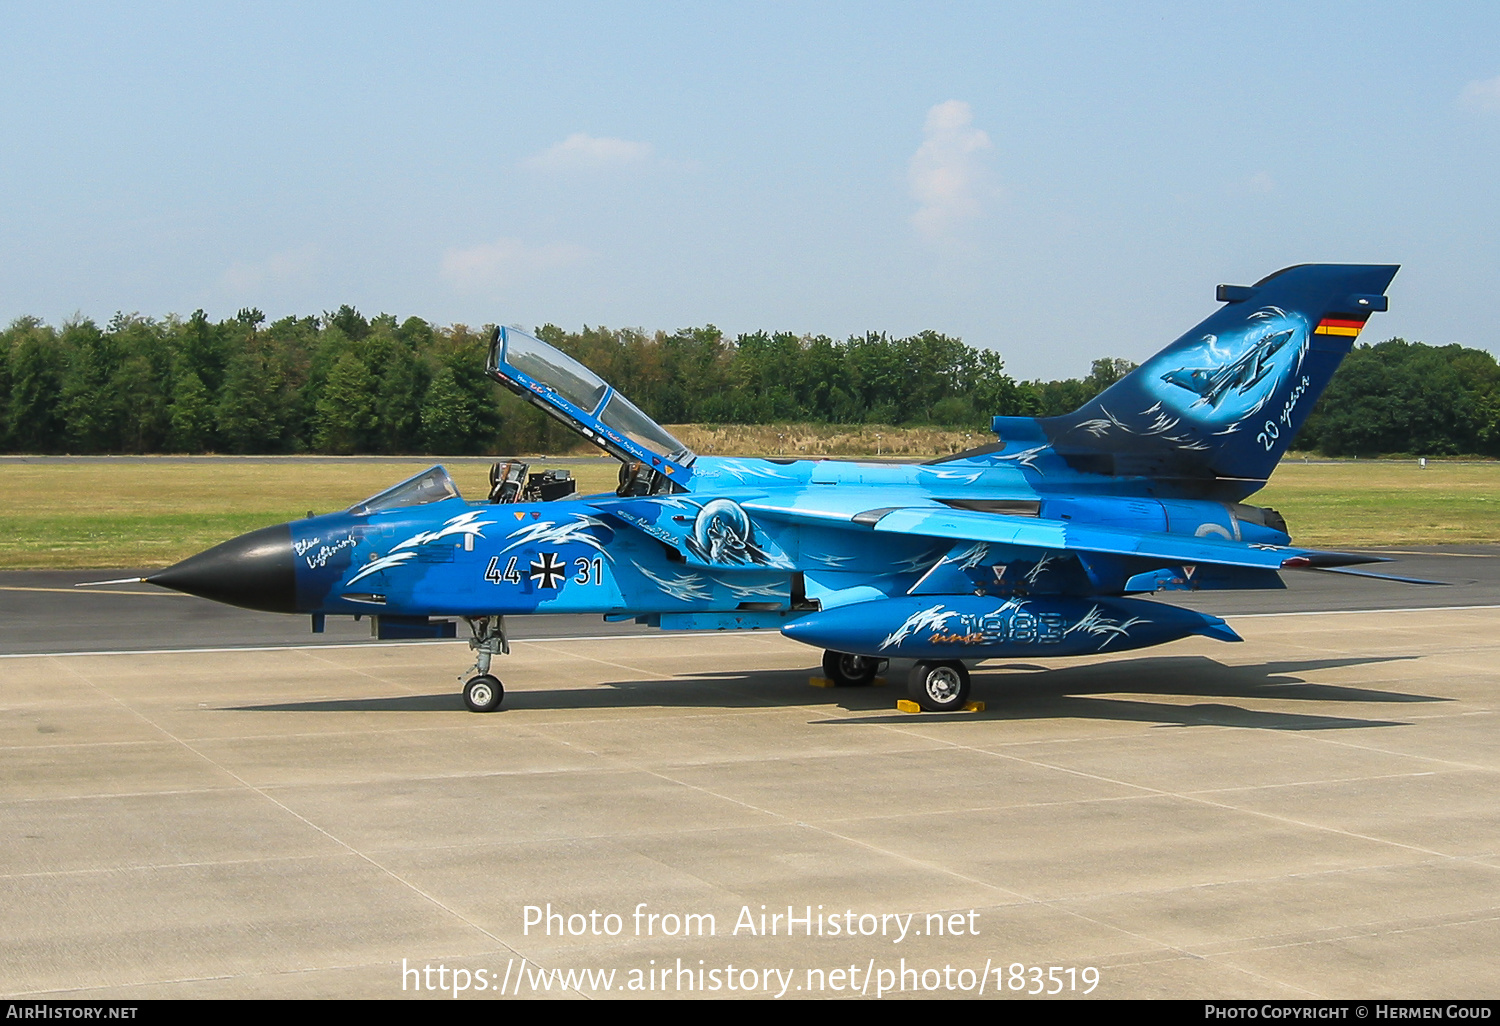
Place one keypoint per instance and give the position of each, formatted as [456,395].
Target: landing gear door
[551,379]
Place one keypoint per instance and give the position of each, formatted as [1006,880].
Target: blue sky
[1059,182]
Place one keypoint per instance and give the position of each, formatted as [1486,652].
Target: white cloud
[579,152]
[947,173]
[1482,97]
[504,262]
[288,266]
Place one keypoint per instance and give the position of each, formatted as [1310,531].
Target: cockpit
[431,485]
[546,377]
[509,482]
[653,462]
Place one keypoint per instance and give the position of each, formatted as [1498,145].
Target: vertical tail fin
[1227,398]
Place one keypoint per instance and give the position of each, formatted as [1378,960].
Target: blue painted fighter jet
[1030,546]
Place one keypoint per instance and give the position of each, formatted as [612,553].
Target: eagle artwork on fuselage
[1033,545]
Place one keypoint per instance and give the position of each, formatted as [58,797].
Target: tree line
[342,383]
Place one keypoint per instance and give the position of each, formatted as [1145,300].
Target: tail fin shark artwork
[1226,399]
[1034,545]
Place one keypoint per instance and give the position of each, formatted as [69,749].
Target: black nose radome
[254,570]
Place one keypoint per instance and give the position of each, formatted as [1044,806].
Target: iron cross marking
[547,571]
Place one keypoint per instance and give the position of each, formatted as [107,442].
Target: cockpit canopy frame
[431,485]
[548,378]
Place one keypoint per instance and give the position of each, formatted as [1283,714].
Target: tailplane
[1226,399]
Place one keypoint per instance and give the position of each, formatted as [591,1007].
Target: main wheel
[850,671]
[483,693]
[939,686]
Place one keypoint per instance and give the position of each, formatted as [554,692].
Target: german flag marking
[1347,326]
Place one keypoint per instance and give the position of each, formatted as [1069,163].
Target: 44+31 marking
[545,571]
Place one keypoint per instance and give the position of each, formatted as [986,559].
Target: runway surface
[1310,813]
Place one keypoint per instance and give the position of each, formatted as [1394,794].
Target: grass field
[151,513]
[1365,504]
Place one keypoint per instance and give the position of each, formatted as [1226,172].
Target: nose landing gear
[484,692]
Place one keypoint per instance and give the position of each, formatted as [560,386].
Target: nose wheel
[483,693]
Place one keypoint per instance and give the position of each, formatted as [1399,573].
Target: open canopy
[547,377]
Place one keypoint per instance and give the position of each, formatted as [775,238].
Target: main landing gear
[939,686]
[935,685]
[484,692]
[851,671]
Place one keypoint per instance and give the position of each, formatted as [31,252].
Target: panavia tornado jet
[1038,544]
